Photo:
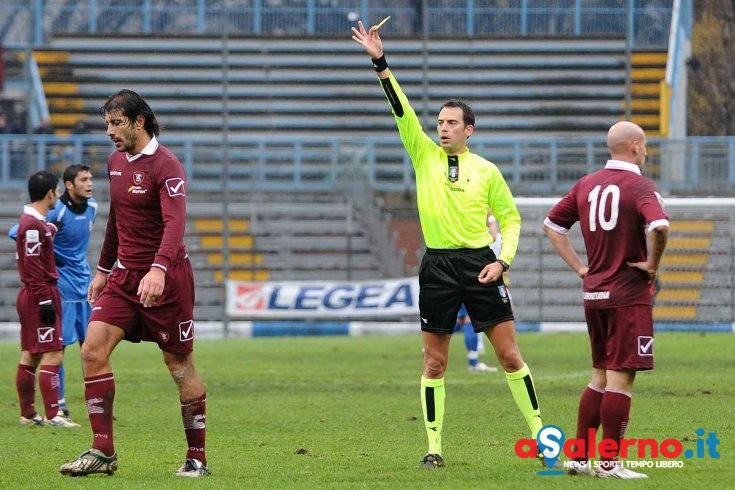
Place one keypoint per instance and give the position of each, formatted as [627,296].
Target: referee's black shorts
[448,278]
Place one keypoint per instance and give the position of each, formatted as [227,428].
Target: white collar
[621,165]
[28,209]
[149,149]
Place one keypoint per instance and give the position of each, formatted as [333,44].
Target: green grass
[339,412]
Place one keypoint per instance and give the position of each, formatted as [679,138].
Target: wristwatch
[505,265]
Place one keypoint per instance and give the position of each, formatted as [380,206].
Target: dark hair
[132,106]
[71,172]
[468,115]
[40,183]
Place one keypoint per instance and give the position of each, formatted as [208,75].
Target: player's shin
[48,384]
[25,382]
[99,393]
[193,416]
[432,401]
[524,393]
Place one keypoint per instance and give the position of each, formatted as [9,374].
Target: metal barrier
[36,21]
[532,166]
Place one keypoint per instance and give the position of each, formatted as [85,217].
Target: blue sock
[470,341]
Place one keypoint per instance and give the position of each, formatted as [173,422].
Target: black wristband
[380,64]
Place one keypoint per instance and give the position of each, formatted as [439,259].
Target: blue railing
[532,166]
[36,21]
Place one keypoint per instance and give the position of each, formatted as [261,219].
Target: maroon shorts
[36,337]
[621,338]
[170,323]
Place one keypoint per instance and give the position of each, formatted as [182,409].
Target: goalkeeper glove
[48,313]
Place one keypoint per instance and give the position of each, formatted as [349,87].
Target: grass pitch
[339,412]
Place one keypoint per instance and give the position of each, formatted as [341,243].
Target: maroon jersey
[34,246]
[615,208]
[147,211]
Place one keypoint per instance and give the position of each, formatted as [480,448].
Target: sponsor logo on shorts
[45,335]
[186,331]
[645,345]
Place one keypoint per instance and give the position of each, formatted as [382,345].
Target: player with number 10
[625,229]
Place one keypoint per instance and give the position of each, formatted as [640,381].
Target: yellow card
[376,27]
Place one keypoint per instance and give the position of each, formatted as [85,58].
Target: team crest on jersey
[453,161]
[138,177]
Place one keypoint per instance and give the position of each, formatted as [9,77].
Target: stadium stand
[648,69]
[62,94]
[289,239]
[687,258]
[323,87]
[276,237]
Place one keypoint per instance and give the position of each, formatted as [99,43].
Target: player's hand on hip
[490,273]
[151,287]
[651,273]
[370,40]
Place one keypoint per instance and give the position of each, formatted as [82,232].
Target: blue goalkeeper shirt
[71,244]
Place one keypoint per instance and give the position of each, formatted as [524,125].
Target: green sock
[524,394]
[432,401]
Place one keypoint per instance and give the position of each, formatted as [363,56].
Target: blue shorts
[74,321]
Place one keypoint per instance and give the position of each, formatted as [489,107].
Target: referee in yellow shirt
[454,190]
